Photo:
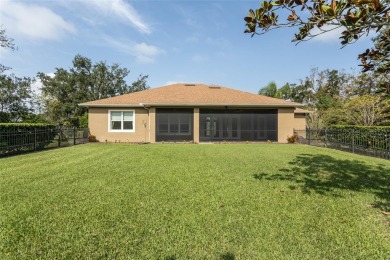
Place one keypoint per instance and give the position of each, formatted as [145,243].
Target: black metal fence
[16,141]
[374,143]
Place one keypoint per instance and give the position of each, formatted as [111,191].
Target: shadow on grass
[227,256]
[324,174]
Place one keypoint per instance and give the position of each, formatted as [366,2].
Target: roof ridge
[195,94]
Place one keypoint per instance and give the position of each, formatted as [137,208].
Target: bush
[292,139]
[365,128]
[18,137]
[35,118]
[83,121]
[92,138]
[366,136]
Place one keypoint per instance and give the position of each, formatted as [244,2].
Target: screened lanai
[238,124]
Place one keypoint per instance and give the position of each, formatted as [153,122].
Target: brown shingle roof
[302,111]
[191,95]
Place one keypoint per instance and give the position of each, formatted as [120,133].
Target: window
[174,124]
[121,121]
[184,123]
[164,123]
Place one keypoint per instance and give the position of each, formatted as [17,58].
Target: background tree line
[336,97]
[61,93]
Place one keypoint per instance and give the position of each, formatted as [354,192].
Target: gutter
[143,105]
[109,105]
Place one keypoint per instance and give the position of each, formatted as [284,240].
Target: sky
[187,41]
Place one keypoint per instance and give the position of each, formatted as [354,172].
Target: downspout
[147,108]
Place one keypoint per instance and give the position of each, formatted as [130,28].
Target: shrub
[83,120]
[92,138]
[365,128]
[17,137]
[365,136]
[292,139]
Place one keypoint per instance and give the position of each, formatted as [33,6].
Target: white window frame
[121,130]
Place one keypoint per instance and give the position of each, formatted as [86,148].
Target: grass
[170,201]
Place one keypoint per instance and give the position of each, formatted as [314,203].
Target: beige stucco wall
[286,122]
[98,126]
[145,129]
[196,125]
[299,121]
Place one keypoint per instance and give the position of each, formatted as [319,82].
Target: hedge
[21,137]
[366,128]
[377,137]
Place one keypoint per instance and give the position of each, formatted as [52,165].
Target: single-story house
[195,113]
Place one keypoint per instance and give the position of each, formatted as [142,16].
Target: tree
[378,60]
[15,92]
[139,85]
[303,92]
[7,43]
[60,96]
[336,97]
[315,17]
[100,80]
[85,81]
[269,90]
[15,96]
[361,84]
[329,87]
[284,92]
[367,110]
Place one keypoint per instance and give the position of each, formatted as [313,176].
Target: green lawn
[242,201]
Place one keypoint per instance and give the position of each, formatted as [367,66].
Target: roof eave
[218,105]
[189,105]
[110,105]
[305,112]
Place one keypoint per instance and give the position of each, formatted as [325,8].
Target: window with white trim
[121,121]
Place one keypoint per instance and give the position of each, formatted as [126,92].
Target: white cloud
[122,10]
[145,53]
[330,36]
[184,81]
[170,82]
[33,21]
[37,85]
[50,74]
[333,36]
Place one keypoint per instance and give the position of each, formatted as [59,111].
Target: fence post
[387,147]
[35,138]
[59,136]
[74,135]
[326,137]
[308,130]
[353,140]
